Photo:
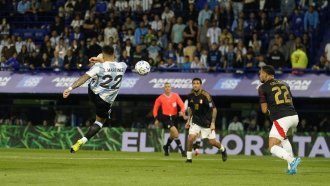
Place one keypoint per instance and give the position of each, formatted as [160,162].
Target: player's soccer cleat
[166,150]
[76,146]
[293,166]
[183,154]
[224,155]
[189,161]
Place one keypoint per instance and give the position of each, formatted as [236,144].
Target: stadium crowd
[204,35]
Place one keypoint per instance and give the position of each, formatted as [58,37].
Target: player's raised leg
[92,131]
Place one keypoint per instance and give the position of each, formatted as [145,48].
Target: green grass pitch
[93,168]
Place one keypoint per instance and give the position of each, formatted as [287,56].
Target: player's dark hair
[197,79]
[108,50]
[268,69]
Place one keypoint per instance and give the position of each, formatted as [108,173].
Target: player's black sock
[169,141]
[92,131]
[197,145]
[178,142]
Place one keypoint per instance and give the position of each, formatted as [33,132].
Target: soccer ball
[142,67]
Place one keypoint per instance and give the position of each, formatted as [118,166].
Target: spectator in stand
[76,35]
[197,65]
[213,34]
[125,58]
[297,22]
[214,58]
[32,60]
[162,39]
[299,59]
[167,15]
[249,61]
[190,32]
[276,58]
[138,54]
[139,33]
[23,57]
[202,35]
[12,62]
[30,45]
[94,49]
[170,52]
[311,20]
[177,7]
[156,24]
[230,57]
[327,51]
[237,7]
[255,43]
[287,7]
[190,13]
[43,62]
[129,24]
[323,64]
[153,50]
[204,15]
[110,31]
[23,6]
[177,31]
[82,60]
[189,50]
[235,125]
[56,62]
[4,27]
[70,61]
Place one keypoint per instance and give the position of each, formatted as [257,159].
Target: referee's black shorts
[168,121]
[102,107]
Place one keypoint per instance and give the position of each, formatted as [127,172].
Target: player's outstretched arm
[97,59]
[76,84]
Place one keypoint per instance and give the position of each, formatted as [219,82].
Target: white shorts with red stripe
[203,132]
[281,126]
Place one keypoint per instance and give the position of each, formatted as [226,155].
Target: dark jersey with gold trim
[201,105]
[277,95]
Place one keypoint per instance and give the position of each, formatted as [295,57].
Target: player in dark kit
[276,100]
[169,102]
[202,115]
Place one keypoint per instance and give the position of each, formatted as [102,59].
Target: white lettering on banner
[176,83]
[320,147]
[301,140]
[4,81]
[235,144]
[29,82]
[295,84]
[143,144]
[129,82]
[66,81]
[298,84]
[129,141]
[251,146]
[239,144]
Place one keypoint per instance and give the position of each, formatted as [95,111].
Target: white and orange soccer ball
[142,67]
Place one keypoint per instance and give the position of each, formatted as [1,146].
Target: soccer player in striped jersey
[107,75]
[169,102]
[276,101]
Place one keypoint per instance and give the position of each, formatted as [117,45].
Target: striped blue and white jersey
[107,78]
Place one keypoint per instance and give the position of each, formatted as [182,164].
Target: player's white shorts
[204,132]
[281,126]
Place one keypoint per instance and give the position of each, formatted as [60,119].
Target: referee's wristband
[70,88]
